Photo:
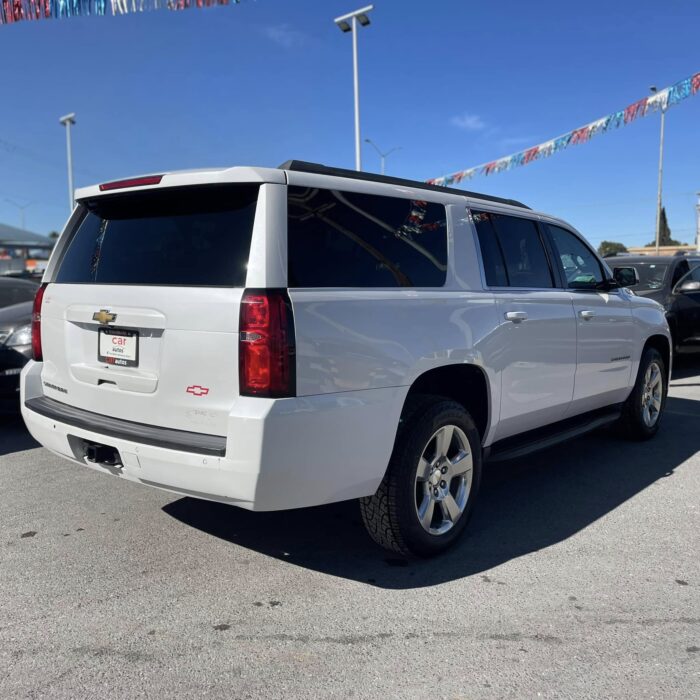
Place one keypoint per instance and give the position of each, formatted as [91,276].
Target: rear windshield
[195,236]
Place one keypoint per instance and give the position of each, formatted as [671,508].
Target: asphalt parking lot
[579,577]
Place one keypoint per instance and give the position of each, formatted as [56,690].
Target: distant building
[20,249]
[663,250]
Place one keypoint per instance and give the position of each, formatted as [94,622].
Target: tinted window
[692,276]
[15,292]
[199,236]
[345,239]
[651,275]
[494,266]
[581,267]
[523,252]
[681,269]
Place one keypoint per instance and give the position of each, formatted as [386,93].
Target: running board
[542,438]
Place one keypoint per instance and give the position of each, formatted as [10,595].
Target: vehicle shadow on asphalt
[525,505]
[14,436]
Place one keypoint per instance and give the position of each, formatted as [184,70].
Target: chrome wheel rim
[652,395]
[443,480]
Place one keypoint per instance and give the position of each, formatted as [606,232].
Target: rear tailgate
[140,319]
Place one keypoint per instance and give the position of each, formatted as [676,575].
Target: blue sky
[454,84]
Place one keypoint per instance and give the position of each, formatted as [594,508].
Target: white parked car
[283,338]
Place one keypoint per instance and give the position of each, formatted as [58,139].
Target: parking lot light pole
[661,168]
[68,121]
[382,156]
[21,208]
[349,23]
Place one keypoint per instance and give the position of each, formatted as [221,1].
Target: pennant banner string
[12,11]
[661,100]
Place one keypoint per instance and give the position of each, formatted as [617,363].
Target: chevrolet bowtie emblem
[103,316]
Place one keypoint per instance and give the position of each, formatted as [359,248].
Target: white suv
[283,338]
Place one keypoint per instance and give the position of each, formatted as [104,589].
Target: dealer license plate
[117,346]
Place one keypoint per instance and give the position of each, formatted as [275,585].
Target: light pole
[661,168]
[382,156]
[68,121]
[21,208]
[697,232]
[348,23]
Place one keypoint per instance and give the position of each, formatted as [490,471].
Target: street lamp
[21,208]
[68,121]
[382,156]
[348,23]
[653,90]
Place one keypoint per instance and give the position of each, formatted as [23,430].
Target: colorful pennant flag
[12,11]
[661,100]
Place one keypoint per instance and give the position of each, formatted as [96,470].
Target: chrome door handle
[516,316]
[586,314]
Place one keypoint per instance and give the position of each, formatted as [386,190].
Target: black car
[15,351]
[14,291]
[672,281]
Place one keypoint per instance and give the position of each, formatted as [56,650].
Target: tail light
[266,349]
[36,324]
[132,182]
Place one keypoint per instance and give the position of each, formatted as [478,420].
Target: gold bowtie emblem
[103,316]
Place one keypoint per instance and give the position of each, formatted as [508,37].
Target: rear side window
[512,251]
[346,239]
[195,236]
[491,254]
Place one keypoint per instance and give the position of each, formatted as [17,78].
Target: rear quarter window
[195,236]
[346,239]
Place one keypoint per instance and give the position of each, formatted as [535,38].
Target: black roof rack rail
[306,167]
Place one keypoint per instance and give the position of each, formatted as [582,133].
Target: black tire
[632,423]
[390,515]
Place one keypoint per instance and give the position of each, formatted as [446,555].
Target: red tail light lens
[36,324]
[266,350]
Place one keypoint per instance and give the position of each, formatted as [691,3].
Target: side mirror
[626,276]
[688,287]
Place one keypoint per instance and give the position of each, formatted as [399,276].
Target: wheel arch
[661,344]
[465,383]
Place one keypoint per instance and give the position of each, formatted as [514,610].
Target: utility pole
[68,121]
[661,168]
[349,23]
[382,156]
[21,208]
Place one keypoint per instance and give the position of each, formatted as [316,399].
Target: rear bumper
[277,454]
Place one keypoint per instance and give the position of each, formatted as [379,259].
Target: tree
[54,235]
[607,248]
[664,233]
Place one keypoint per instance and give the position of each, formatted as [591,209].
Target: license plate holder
[118,347]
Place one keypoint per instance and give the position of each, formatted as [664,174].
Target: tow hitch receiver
[102,454]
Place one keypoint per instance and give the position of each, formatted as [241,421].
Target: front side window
[681,269]
[347,239]
[692,276]
[512,251]
[581,267]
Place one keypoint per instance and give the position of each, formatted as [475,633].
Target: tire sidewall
[413,440]
[635,406]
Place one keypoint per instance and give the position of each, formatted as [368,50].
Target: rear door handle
[586,314]
[516,316]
